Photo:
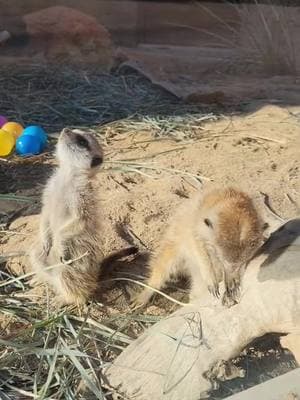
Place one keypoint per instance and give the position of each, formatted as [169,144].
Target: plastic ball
[13,127]
[27,145]
[38,132]
[3,120]
[7,142]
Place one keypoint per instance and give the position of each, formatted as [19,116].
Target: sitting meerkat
[70,221]
[211,238]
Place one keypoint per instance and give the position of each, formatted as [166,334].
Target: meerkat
[211,238]
[70,221]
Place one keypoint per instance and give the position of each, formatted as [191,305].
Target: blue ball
[27,145]
[38,132]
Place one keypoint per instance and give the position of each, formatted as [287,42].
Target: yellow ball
[13,127]
[7,142]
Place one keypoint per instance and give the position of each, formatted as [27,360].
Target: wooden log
[179,357]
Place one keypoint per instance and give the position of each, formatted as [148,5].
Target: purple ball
[3,120]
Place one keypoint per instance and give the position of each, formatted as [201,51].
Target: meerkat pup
[211,238]
[70,221]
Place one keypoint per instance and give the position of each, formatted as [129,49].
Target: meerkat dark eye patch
[82,142]
[208,223]
[96,161]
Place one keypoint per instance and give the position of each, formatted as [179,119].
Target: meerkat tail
[118,255]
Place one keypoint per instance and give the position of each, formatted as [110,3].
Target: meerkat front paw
[228,301]
[63,261]
[232,291]
[65,255]
[41,251]
[233,286]
[47,247]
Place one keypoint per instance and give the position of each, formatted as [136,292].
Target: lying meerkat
[70,226]
[211,238]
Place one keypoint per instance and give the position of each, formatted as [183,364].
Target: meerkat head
[232,225]
[79,150]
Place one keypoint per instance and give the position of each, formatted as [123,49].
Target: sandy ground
[256,151]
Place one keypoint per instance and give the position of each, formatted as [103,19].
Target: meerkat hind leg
[160,270]
[38,259]
[68,290]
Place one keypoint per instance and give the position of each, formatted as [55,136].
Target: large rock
[61,34]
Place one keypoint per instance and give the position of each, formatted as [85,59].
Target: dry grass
[264,38]
[48,353]
[173,127]
[269,32]
[55,97]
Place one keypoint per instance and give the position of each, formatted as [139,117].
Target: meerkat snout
[96,161]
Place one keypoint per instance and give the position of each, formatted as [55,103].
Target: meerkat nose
[96,161]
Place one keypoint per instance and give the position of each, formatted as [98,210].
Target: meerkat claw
[63,260]
[136,304]
[228,300]
[231,294]
[139,301]
[214,290]
[234,288]
[46,249]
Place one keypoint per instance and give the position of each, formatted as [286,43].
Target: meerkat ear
[208,223]
[66,130]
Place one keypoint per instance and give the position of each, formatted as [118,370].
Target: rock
[62,34]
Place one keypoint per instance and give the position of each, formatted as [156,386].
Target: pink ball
[3,121]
